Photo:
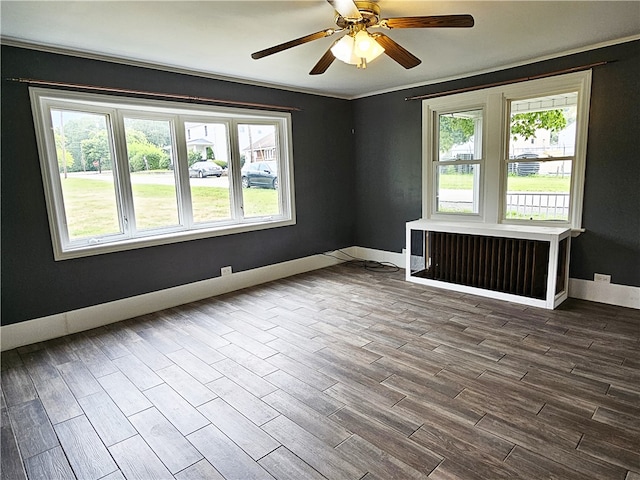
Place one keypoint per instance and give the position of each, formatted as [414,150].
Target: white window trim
[430,116]
[495,146]
[42,99]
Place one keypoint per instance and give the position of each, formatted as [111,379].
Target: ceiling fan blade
[346,8]
[324,63]
[395,51]
[293,43]
[433,21]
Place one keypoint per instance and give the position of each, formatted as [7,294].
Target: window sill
[163,239]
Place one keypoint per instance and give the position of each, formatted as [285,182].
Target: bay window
[123,173]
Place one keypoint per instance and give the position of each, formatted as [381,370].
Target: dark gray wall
[350,189]
[388,158]
[34,285]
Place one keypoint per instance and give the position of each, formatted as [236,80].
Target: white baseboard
[379,255]
[74,321]
[58,325]
[610,293]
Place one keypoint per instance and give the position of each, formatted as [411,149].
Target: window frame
[437,162]
[116,108]
[496,125]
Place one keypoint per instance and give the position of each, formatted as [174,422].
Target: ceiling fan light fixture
[375,50]
[343,49]
[362,43]
[357,49]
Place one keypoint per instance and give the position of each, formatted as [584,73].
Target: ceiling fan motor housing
[370,12]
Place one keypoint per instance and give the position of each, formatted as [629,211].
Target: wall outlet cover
[601,277]
[226,271]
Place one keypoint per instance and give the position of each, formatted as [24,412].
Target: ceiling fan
[358,46]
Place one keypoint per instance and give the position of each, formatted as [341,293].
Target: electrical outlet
[226,271]
[602,278]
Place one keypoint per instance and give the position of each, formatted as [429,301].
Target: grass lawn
[532,183]
[91,209]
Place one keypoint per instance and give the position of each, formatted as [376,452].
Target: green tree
[210,154]
[526,124]
[75,131]
[69,158]
[455,131]
[156,158]
[135,136]
[156,132]
[61,151]
[194,157]
[95,149]
[145,154]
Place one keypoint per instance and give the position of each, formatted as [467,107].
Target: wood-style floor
[341,373]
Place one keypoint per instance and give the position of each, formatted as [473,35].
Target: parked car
[260,174]
[524,169]
[206,168]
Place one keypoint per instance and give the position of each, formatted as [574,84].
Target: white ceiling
[217,37]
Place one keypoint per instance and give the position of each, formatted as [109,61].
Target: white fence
[538,205]
[534,205]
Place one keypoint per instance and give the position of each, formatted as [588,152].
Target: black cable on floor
[370,265]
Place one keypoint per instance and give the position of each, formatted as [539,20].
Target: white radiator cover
[522,264]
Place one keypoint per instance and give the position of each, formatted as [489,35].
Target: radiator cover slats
[509,265]
[526,264]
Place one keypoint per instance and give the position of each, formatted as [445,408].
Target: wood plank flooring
[341,373]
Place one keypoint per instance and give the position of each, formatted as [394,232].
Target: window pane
[153,181]
[261,162]
[85,163]
[208,150]
[116,181]
[460,136]
[538,190]
[543,127]
[458,188]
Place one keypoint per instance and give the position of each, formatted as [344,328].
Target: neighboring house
[263,149]
[200,145]
[212,135]
[201,136]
